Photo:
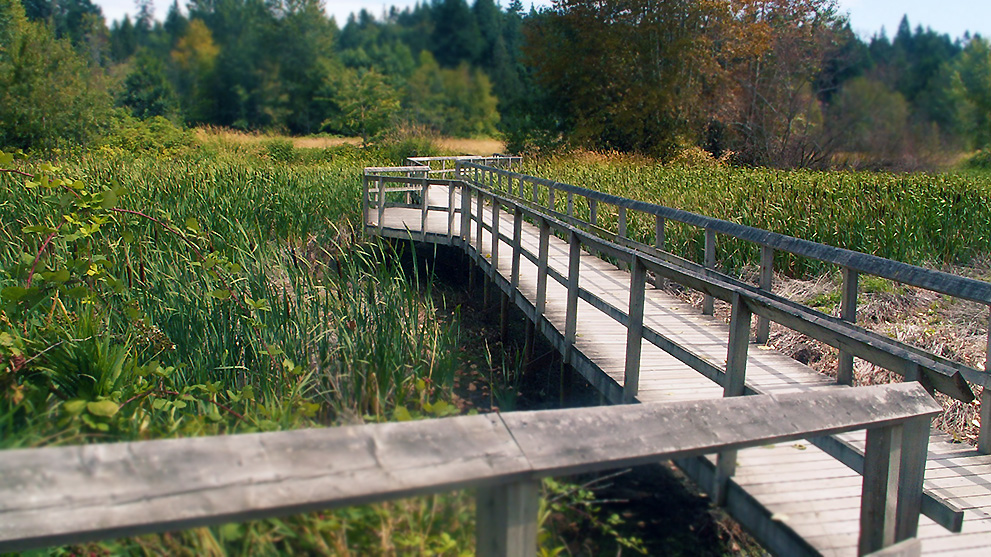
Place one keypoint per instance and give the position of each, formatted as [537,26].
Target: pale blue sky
[866,16]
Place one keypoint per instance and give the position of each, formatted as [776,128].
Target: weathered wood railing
[63,495]
[852,264]
[475,203]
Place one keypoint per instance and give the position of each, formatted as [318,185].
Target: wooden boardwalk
[796,498]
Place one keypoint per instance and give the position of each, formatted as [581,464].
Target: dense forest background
[763,82]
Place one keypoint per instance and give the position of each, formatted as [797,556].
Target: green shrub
[154,135]
[281,150]
[981,159]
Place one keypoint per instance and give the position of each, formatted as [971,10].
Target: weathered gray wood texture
[61,495]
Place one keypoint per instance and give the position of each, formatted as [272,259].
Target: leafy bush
[49,95]
[981,159]
[154,135]
[281,150]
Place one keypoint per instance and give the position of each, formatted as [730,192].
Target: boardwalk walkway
[797,498]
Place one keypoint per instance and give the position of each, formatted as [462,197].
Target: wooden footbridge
[809,466]
[585,285]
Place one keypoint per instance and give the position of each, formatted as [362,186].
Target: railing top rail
[937,281]
[369,170]
[60,495]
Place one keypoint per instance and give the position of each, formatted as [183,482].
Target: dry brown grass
[952,328]
[471,146]
[206,133]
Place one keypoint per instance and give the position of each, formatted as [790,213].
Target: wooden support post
[514,277]
[634,329]
[891,497]
[541,301]
[984,437]
[495,236]
[882,459]
[621,226]
[765,283]
[571,204]
[450,214]
[734,383]
[912,470]
[659,233]
[571,314]
[550,197]
[593,216]
[364,204]
[479,228]
[465,216]
[381,207]
[848,312]
[536,192]
[424,206]
[708,304]
[507,519]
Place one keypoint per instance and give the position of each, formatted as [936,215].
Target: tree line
[766,82]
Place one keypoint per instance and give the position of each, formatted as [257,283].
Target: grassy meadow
[920,218]
[211,282]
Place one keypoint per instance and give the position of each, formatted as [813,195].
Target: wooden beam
[765,283]
[734,384]
[545,232]
[507,519]
[634,330]
[710,263]
[571,311]
[848,312]
[659,232]
[984,437]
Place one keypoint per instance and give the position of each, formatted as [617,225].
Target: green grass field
[921,218]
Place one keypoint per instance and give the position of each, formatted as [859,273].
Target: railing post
[659,233]
[734,383]
[536,193]
[708,306]
[450,213]
[621,226]
[495,235]
[479,222]
[364,204]
[571,204]
[381,198]
[634,329]
[593,207]
[765,282]
[541,301]
[891,496]
[984,436]
[506,519]
[465,215]
[550,197]
[571,314]
[514,278]
[424,207]
[848,312]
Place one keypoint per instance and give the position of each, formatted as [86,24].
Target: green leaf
[13,293]
[221,294]
[74,407]
[104,408]
[6,159]
[193,224]
[401,414]
[109,199]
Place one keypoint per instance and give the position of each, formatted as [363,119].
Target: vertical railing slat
[506,519]
[984,437]
[848,312]
[541,301]
[634,329]
[571,313]
[766,283]
[734,384]
[708,304]
[659,232]
[593,213]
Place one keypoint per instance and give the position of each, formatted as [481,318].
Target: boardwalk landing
[794,497]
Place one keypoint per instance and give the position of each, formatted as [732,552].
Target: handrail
[479,205]
[61,495]
[851,263]
[929,279]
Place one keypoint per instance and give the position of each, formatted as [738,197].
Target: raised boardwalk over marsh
[587,288]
